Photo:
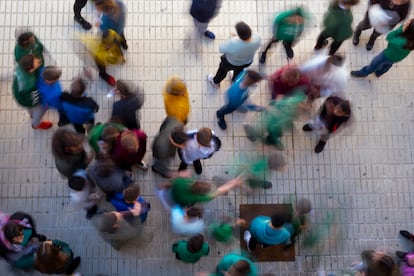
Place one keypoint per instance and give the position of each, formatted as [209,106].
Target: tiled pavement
[364,175]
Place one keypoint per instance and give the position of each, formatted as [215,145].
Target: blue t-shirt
[264,233]
[120,205]
[235,95]
[49,93]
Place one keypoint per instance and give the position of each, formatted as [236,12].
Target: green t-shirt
[95,134]
[36,49]
[182,253]
[395,50]
[222,232]
[182,194]
[24,87]
[229,260]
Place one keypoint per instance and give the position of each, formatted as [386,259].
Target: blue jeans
[226,109]
[379,64]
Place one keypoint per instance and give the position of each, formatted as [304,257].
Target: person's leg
[288,48]
[372,39]
[74,263]
[221,73]
[321,41]
[201,28]
[237,70]
[363,25]
[375,64]
[123,42]
[226,109]
[263,55]
[197,166]
[36,114]
[103,74]
[386,65]
[335,46]
[79,128]
[77,7]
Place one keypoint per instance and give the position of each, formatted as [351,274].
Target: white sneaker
[143,166]
[210,78]
[247,236]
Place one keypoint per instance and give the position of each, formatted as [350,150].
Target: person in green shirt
[192,250]
[400,45]
[28,44]
[233,264]
[187,191]
[287,27]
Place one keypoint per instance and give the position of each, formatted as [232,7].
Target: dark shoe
[358,74]
[209,34]
[154,169]
[124,45]
[91,212]
[355,39]
[320,146]
[370,44]
[289,50]
[307,127]
[222,123]
[378,74]
[401,255]
[183,166]
[85,24]
[262,59]
[197,167]
[407,235]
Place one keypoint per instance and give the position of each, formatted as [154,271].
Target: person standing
[238,53]
[400,45]
[202,12]
[395,11]
[337,23]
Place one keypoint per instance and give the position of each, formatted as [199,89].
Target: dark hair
[200,188]
[26,62]
[63,138]
[76,183]
[11,230]
[109,134]
[178,135]
[131,193]
[23,39]
[195,243]
[104,166]
[52,73]
[408,34]
[241,268]
[254,76]
[278,218]
[50,259]
[123,87]
[243,30]
[107,223]
[77,87]
[345,105]
[194,212]
[336,60]
[348,2]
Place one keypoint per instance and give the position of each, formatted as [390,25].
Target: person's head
[336,60]
[176,86]
[124,88]
[104,166]
[297,17]
[131,193]
[26,39]
[77,87]
[105,6]
[409,258]
[241,268]
[291,76]
[252,77]
[129,141]
[243,31]
[342,109]
[279,218]
[178,137]
[204,136]
[348,3]
[380,265]
[30,63]
[195,243]
[51,74]
[194,212]
[76,183]
[13,232]
[109,134]
[200,188]
[108,222]
[66,142]
[50,259]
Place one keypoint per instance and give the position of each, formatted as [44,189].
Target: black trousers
[321,40]
[78,6]
[365,25]
[226,66]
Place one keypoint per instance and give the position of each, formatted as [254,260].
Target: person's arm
[227,187]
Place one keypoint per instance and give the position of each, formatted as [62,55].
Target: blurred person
[170,137]
[233,264]
[237,94]
[28,44]
[375,263]
[223,231]
[287,27]
[25,90]
[202,12]
[102,136]
[77,7]
[201,144]
[176,99]
[129,149]
[333,113]
[187,221]
[391,12]
[238,53]
[400,44]
[406,258]
[192,250]
[113,17]
[125,109]
[337,24]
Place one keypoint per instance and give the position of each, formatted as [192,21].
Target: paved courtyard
[364,176]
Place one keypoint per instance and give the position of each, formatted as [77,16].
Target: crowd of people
[101,181]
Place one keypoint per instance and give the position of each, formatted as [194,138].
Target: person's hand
[241,222]
[136,211]
[184,173]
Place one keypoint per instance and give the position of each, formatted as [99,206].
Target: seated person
[129,200]
[192,250]
[187,221]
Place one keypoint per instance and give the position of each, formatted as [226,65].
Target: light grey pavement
[364,176]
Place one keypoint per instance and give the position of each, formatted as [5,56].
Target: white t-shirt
[239,52]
